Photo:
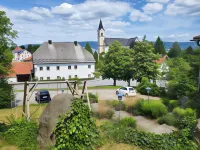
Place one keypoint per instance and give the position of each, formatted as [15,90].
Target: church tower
[100,34]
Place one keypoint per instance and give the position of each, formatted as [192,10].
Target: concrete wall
[82,71]
[13,79]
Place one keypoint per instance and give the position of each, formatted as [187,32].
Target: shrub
[168,119]
[6,94]
[166,101]
[154,110]
[76,129]
[186,118]
[141,88]
[128,122]
[118,105]
[173,104]
[108,114]
[92,97]
[23,134]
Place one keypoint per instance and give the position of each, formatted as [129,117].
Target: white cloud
[90,10]
[42,11]
[114,31]
[151,8]
[137,15]
[183,7]
[158,1]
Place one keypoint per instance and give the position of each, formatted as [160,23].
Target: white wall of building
[19,57]
[82,71]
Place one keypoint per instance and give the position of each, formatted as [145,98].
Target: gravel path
[146,124]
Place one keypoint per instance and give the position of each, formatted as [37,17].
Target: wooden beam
[24,100]
[88,100]
[40,82]
[83,90]
[28,103]
[74,87]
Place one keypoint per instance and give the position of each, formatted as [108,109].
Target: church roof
[123,41]
[100,26]
[61,52]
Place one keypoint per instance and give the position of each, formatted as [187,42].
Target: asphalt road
[103,94]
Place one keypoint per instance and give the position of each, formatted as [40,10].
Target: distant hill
[168,45]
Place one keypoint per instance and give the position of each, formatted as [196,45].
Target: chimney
[75,43]
[50,41]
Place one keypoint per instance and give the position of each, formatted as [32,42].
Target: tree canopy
[6,36]
[88,48]
[159,46]
[22,47]
[96,56]
[144,61]
[175,50]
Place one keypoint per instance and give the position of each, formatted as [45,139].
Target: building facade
[62,60]
[20,54]
[104,43]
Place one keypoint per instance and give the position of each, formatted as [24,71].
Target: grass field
[35,110]
[80,87]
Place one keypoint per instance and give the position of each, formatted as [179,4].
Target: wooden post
[28,103]
[199,81]
[24,100]
[83,90]
[74,87]
[88,100]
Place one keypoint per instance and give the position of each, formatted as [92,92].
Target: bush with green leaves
[118,105]
[154,110]
[107,114]
[141,88]
[76,130]
[128,122]
[6,94]
[92,97]
[168,119]
[186,118]
[23,134]
[176,140]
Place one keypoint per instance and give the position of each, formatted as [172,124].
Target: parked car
[126,91]
[42,96]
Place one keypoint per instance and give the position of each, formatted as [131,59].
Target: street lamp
[148,90]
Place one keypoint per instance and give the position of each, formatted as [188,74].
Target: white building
[55,60]
[104,43]
[20,54]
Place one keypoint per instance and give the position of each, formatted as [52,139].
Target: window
[101,34]
[89,66]
[75,67]
[48,78]
[48,68]
[58,67]
[89,75]
[58,77]
[69,67]
[70,76]
[41,78]
[41,68]
[75,76]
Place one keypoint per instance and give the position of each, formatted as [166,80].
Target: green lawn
[80,87]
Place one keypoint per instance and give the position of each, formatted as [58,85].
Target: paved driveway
[103,94]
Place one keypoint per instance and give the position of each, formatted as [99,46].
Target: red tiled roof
[196,37]
[29,58]
[19,68]
[17,48]
[161,60]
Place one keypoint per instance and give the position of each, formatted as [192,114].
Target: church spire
[100,25]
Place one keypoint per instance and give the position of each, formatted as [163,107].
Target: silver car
[126,91]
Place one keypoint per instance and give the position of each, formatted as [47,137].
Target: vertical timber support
[24,100]
[28,103]
[88,100]
[199,81]
[75,83]
[83,90]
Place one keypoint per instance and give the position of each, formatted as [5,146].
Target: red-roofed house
[162,63]
[21,71]
[20,54]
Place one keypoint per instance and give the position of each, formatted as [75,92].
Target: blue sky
[68,20]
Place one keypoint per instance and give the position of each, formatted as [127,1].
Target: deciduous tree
[144,64]
[22,47]
[96,56]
